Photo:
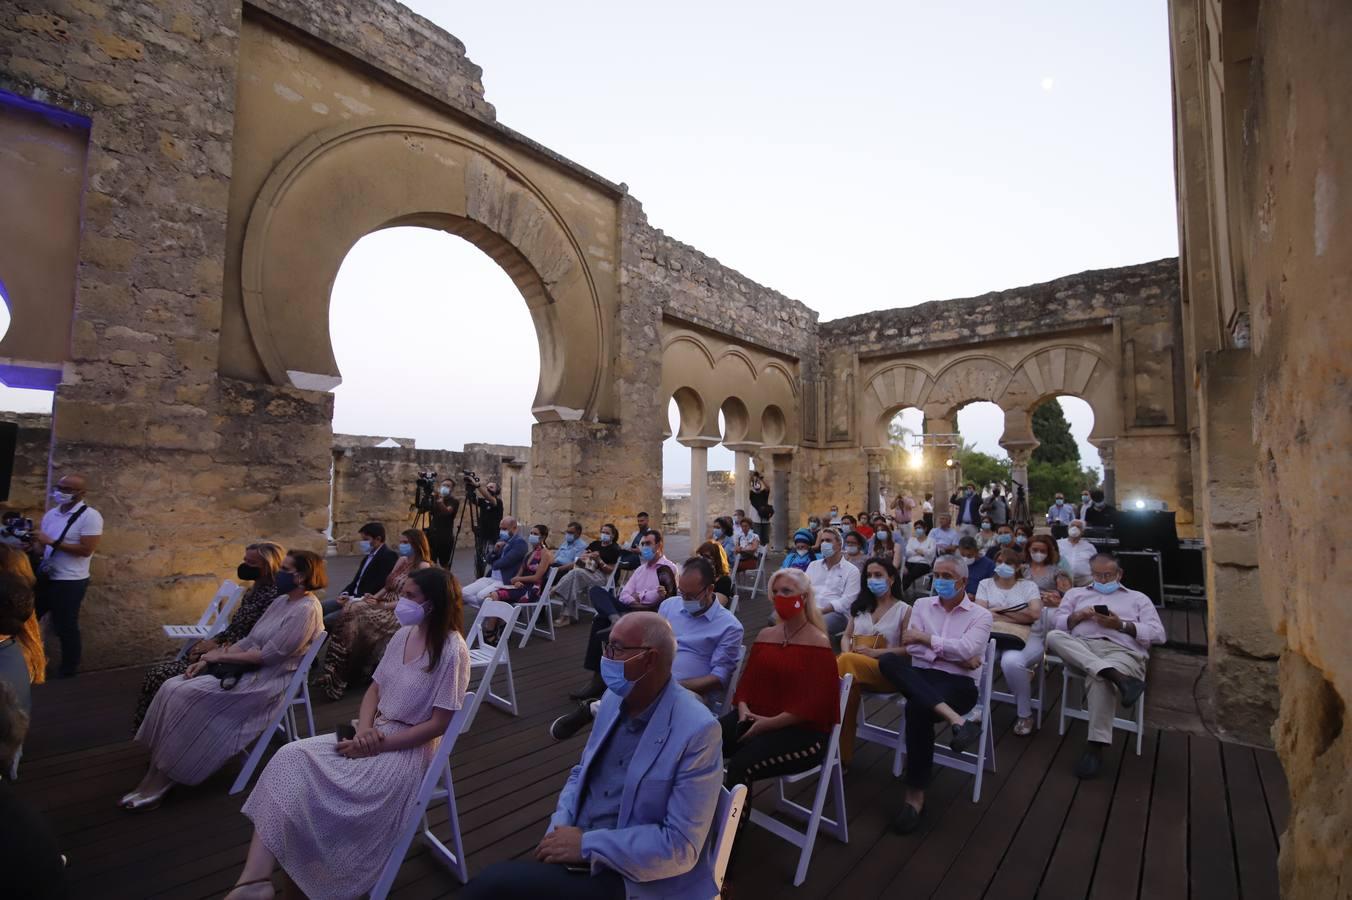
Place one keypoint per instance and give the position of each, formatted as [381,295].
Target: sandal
[243,884]
[1024,726]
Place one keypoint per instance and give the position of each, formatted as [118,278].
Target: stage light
[1140,504]
[917,460]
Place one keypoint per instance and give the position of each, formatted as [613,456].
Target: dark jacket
[373,579]
[508,560]
[969,516]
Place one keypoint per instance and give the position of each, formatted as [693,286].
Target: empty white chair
[829,780]
[732,682]
[757,579]
[212,621]
[297,694]
[492,657]
[1135,725]
[432,790]
[729,811]
[528,624]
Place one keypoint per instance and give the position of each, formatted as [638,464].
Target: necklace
[788,637]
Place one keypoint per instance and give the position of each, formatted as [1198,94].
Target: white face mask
[62,497]
[1037,556]
[1073,532]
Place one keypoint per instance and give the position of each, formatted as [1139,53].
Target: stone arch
[339,185]
[1071,370]
[692,411]
[734,353]
[969,378]
[737,421]
[887,392]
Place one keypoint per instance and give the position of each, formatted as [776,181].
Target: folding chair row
[529,625]
[297,694]
[493,657]
[757,580]
[212,621]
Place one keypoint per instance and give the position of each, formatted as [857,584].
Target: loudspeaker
[1141,572]
[9,442]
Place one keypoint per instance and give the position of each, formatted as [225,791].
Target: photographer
[69,535]
[441,531]
[489,503]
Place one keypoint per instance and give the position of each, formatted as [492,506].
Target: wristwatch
[1122,626]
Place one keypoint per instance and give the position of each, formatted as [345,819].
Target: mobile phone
[1103,610]
[346,731]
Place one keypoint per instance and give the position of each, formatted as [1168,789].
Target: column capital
[699,442]
[744,446]
[780,449]
[1020,452]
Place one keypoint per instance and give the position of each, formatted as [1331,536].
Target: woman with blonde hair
[28,637]
[788,699]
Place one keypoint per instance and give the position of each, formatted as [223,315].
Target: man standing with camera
[69,535]
[441,529]
[490,520]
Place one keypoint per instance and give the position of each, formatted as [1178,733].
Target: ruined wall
[28,483]
[1298,258]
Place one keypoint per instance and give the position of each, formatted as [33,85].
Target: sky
[853,155]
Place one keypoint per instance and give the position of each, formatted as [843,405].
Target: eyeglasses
[612,650]
[1104,577]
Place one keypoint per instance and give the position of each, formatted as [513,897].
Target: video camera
[425,488]
[471,481]
[19,529]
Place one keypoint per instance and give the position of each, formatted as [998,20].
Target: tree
[1046,479]
[1055,445]
[981,468]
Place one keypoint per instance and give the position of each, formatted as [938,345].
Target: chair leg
[1065,698]
[1041,692]
[309,709]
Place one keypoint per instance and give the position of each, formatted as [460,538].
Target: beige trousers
[1089,656]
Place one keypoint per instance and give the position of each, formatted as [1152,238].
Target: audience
[877,618]
[801,556]
[748,545]
[854,549]
[526,585]
[788,699]
[565,557]
[835,583]
[259,567]
[883,545]
[1016,607]
[946,639]
[321,805]
[379,560]
[979,567]
[1004,537]
[621,830]
[727,538]
[592,569]
[1098,513]
[630,557]
[357,640]
[1076,552]
[504,561]
[199,720]
[920,553]
[31,864]
[16,608]
[1104,633]
[996,507]
[967,503]
[945,537]
[985,538]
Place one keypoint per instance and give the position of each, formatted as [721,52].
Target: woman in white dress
[324,808]
[1016,606]
[916,560]
[877,619]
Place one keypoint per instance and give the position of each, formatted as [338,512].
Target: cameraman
[490,520]
[69,535]
[441,530]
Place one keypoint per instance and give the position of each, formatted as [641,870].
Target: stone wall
[676,508]
[1298,265]
[28,482]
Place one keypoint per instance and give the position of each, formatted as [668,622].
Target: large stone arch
[341,184]
[890,390]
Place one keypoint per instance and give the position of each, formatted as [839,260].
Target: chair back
[217,614]
[493,609]
[730,804]
[736,677]
[437,766]
[987,681]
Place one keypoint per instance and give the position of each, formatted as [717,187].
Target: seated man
[504,562]
[979,567]
[629,554]
[1104,633]
[1004,540]
[946,640]
[835,583]
[620,830]
[652,582]
[574,544]
[708,639]
[1076,552]
[377,563]
[1098,513]
[945,537]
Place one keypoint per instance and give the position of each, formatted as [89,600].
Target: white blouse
[996,598]
[920,551]
[889,626]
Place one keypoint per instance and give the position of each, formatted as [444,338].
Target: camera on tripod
[471,481]
[425,487]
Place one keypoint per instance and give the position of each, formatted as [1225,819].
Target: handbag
[1010,635]
[868,641]
[230,672]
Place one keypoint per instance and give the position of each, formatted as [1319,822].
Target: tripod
[470,509]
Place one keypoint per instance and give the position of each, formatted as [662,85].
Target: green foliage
[1045,479]
[982,468]
[1050,427]
[898,435]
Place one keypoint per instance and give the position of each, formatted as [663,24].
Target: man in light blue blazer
[635,817]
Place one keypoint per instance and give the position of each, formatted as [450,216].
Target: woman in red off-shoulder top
[788,699]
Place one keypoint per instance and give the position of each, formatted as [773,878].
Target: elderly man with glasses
[635,817]
[1104,633]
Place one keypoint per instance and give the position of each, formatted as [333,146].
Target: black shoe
[1130,690]
[965,735]
[564,727]
[1088,765]
[907,820]
[592,691]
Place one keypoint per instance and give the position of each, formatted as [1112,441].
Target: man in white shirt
[1077,553]
[945,537]
[69,535]
[835,582]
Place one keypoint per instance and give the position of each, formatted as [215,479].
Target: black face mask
[247,572]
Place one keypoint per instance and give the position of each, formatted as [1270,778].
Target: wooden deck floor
[1190,818]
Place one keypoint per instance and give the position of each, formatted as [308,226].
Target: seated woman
[1042,571]
[23,637]
[194,725]
[854,549]
[324,810]
[877,618]
[366,624]
[525,587]
[748,546]
[985,539]
[788,699]
[801,556]
[593,569]
[1014,602]
[884,545]
[918,557]
[716,535]
[260,565]
[713,552]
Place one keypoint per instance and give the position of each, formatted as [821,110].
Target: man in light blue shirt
[1059,516]
[572,547]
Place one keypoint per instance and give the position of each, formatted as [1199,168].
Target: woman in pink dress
[324,809]
[194,725]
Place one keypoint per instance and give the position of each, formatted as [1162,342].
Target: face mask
[285,581]
[246,572]
[788,607]
[62,497]
[967,492]
[504,534]
[646,553]
[1060,502]
[605,537]
[920,532]
[801,548]
[405,548]
[852,550]
[985,526]
[408,612]
[1084,498]
[364,546]
[877,586]
[1004,570]
[1073,532]
[532,539]
[1037,556]
[1020,539]
[445,491]
[718,534]
[1003,538]
[612,673]
[945,587]
[692,606]
[828,548]
[572,538]
[1107,588]
[882,535]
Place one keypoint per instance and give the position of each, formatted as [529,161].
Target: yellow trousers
[867,677]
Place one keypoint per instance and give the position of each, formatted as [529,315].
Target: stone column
[876,459]
[699,487]
[781,525]
[741,480]
[1020,452]
[943,474]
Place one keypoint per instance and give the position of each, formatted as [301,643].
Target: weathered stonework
[28,481]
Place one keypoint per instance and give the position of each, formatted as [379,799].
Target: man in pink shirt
[946,639]
[1104,633]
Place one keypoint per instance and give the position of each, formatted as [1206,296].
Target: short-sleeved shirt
[609,553]
[60,565]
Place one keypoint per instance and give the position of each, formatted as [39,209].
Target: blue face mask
[532,539]
[364,546]
[1004,570]
[878,586]
[718,534]
[920,532]
[612,673]
[828,548]
[572,538]
[646,553]
[504,534]
[605,537]
[1107,588]
[946,587]
[1060,502]
[1003,538]
[285,581]
[405,548]
[1020,539]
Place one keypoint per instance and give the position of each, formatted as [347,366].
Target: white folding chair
[732,682]
[730,805]
[212,621]
[757,579]
[297,694]
[584,604]
[529,625]
[733,603]
[430,792]
[1135,725]
[829,779]
[491,657]
[1038,702]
